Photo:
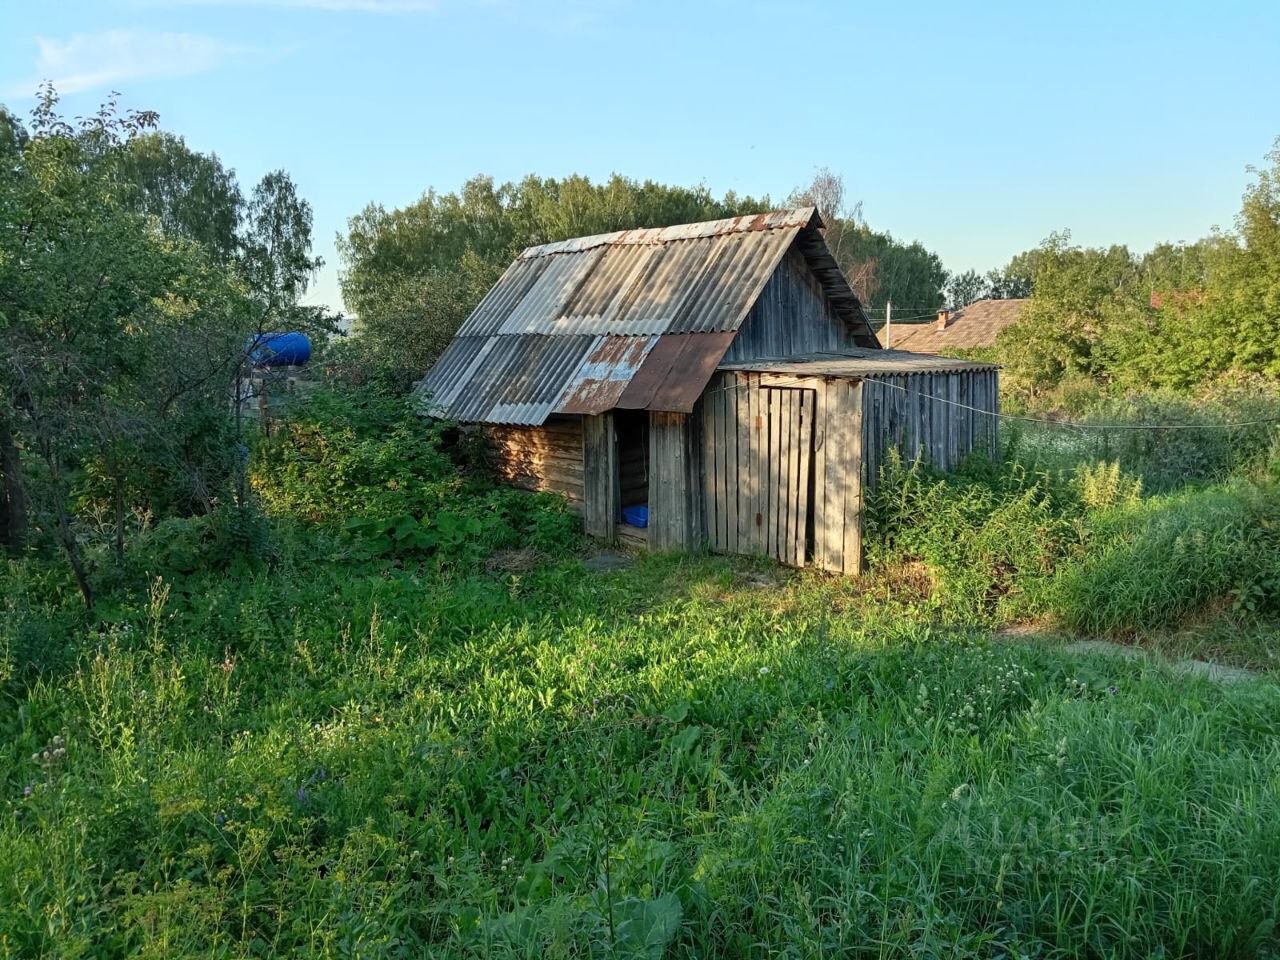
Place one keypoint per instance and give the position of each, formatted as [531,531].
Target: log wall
[548,457]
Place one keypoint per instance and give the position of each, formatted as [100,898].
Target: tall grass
[666,761]
[1051,533]
[363,741]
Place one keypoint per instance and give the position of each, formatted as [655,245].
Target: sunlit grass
[691,757]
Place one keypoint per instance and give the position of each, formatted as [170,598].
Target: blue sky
[975,128]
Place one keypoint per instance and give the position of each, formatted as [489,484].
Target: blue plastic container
[636,516]
[279,349]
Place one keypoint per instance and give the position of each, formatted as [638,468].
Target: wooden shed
[722,375]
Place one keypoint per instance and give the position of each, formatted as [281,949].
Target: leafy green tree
[125,328]
[1079,292]
[1242,302]
[191,194]
[964,288]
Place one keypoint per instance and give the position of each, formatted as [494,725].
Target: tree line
[1181,317]
[411,275]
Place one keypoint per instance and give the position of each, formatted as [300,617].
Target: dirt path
[1218,672]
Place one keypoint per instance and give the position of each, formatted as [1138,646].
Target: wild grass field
[433,731]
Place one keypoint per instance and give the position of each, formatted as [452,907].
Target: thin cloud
[89,61]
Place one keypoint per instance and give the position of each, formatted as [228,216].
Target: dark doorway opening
[631,427]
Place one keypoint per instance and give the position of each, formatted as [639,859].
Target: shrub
[1164,459]
[986,533]
[366,466]
[1147,564]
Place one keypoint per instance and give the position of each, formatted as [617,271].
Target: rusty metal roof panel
[603,302]
[676,370]
[502,379]
[531,377]
[719,296]
[439,389]
[604,373]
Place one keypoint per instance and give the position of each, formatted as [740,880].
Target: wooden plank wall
[548,457]
[601,491]
[837,517]
[675,480]
[928,416]
[774,451]
[791,317]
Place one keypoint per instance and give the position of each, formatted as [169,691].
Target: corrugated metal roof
[637,318]
[598,383]
[858,363]
[675,372]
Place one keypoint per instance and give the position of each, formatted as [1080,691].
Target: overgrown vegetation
[1053,534]
[333,693]
[367,738]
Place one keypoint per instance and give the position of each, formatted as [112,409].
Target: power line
[1085,426]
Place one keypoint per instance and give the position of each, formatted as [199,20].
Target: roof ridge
[785,218]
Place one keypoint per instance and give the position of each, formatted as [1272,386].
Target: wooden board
[601,489]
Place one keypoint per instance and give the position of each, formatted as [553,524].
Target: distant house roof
[976,325]
[637,319]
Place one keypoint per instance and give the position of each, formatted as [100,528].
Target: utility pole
[888,324]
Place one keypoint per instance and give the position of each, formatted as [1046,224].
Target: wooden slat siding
[679,489]
[778,438]
[744,480]
[601,492]
[760,464]
[775,468]
[992,402]
[800,533]
[726,442]
[732,479]
[695,523]
[726,458]
[932,422]
[664,458]
[792,317]
[837,430]
[786,490]
[759,414]
[711,482]
[660,494]
[717,452]
[842,468]
[823,523]
[853,488]
[678,470]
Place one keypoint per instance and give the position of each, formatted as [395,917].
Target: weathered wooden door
[787,522]
[759,470]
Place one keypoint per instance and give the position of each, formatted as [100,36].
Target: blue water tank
[279,349]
